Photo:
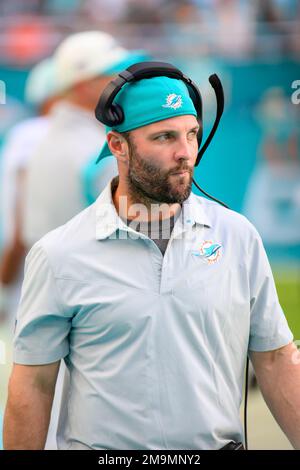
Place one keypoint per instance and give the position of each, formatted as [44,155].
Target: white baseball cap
[86,55]
[41,82]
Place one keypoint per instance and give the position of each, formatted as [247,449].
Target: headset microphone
[218,89]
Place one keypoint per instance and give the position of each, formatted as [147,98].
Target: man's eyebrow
[171,131]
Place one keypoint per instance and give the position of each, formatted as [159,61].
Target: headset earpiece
[117,114]
[109,113]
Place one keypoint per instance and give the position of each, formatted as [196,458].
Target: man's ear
[117,144]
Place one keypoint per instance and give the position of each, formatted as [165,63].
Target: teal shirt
[94,177]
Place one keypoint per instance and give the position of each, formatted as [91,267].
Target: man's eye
[193,134]
[162,137]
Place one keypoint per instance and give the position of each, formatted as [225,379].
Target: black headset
[111,114]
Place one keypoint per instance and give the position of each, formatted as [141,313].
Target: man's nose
[183,149]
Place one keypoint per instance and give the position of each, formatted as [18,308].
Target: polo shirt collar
[108,220]
[194,212]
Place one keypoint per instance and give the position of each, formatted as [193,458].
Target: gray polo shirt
[158,230]
[155,345]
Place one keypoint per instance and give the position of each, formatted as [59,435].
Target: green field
[288,289]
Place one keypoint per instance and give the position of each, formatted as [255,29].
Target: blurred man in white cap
[21,142]
[85,63]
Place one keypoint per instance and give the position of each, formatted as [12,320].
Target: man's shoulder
[226,219]
[60,244]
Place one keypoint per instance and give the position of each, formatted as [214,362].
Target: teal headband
[150,100]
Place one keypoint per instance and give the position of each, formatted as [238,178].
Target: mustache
[183,167]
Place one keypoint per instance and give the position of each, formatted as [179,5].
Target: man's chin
[176,190]
[179,196]
[181,185]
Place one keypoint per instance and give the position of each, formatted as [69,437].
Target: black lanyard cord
[247,361]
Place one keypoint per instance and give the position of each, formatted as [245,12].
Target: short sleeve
[269,329]
[42,326]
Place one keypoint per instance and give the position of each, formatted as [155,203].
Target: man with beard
[154,297]
[153,192]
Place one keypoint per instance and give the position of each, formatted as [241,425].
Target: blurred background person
[21,142]
[274,186]
[53,192]
[85,62]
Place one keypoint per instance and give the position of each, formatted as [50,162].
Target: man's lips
[180,172]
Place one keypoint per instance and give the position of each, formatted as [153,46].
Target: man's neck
[131,207]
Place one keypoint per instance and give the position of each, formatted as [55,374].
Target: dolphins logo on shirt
[209,250]
[173,101]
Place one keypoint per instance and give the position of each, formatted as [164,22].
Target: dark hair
[128,138]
